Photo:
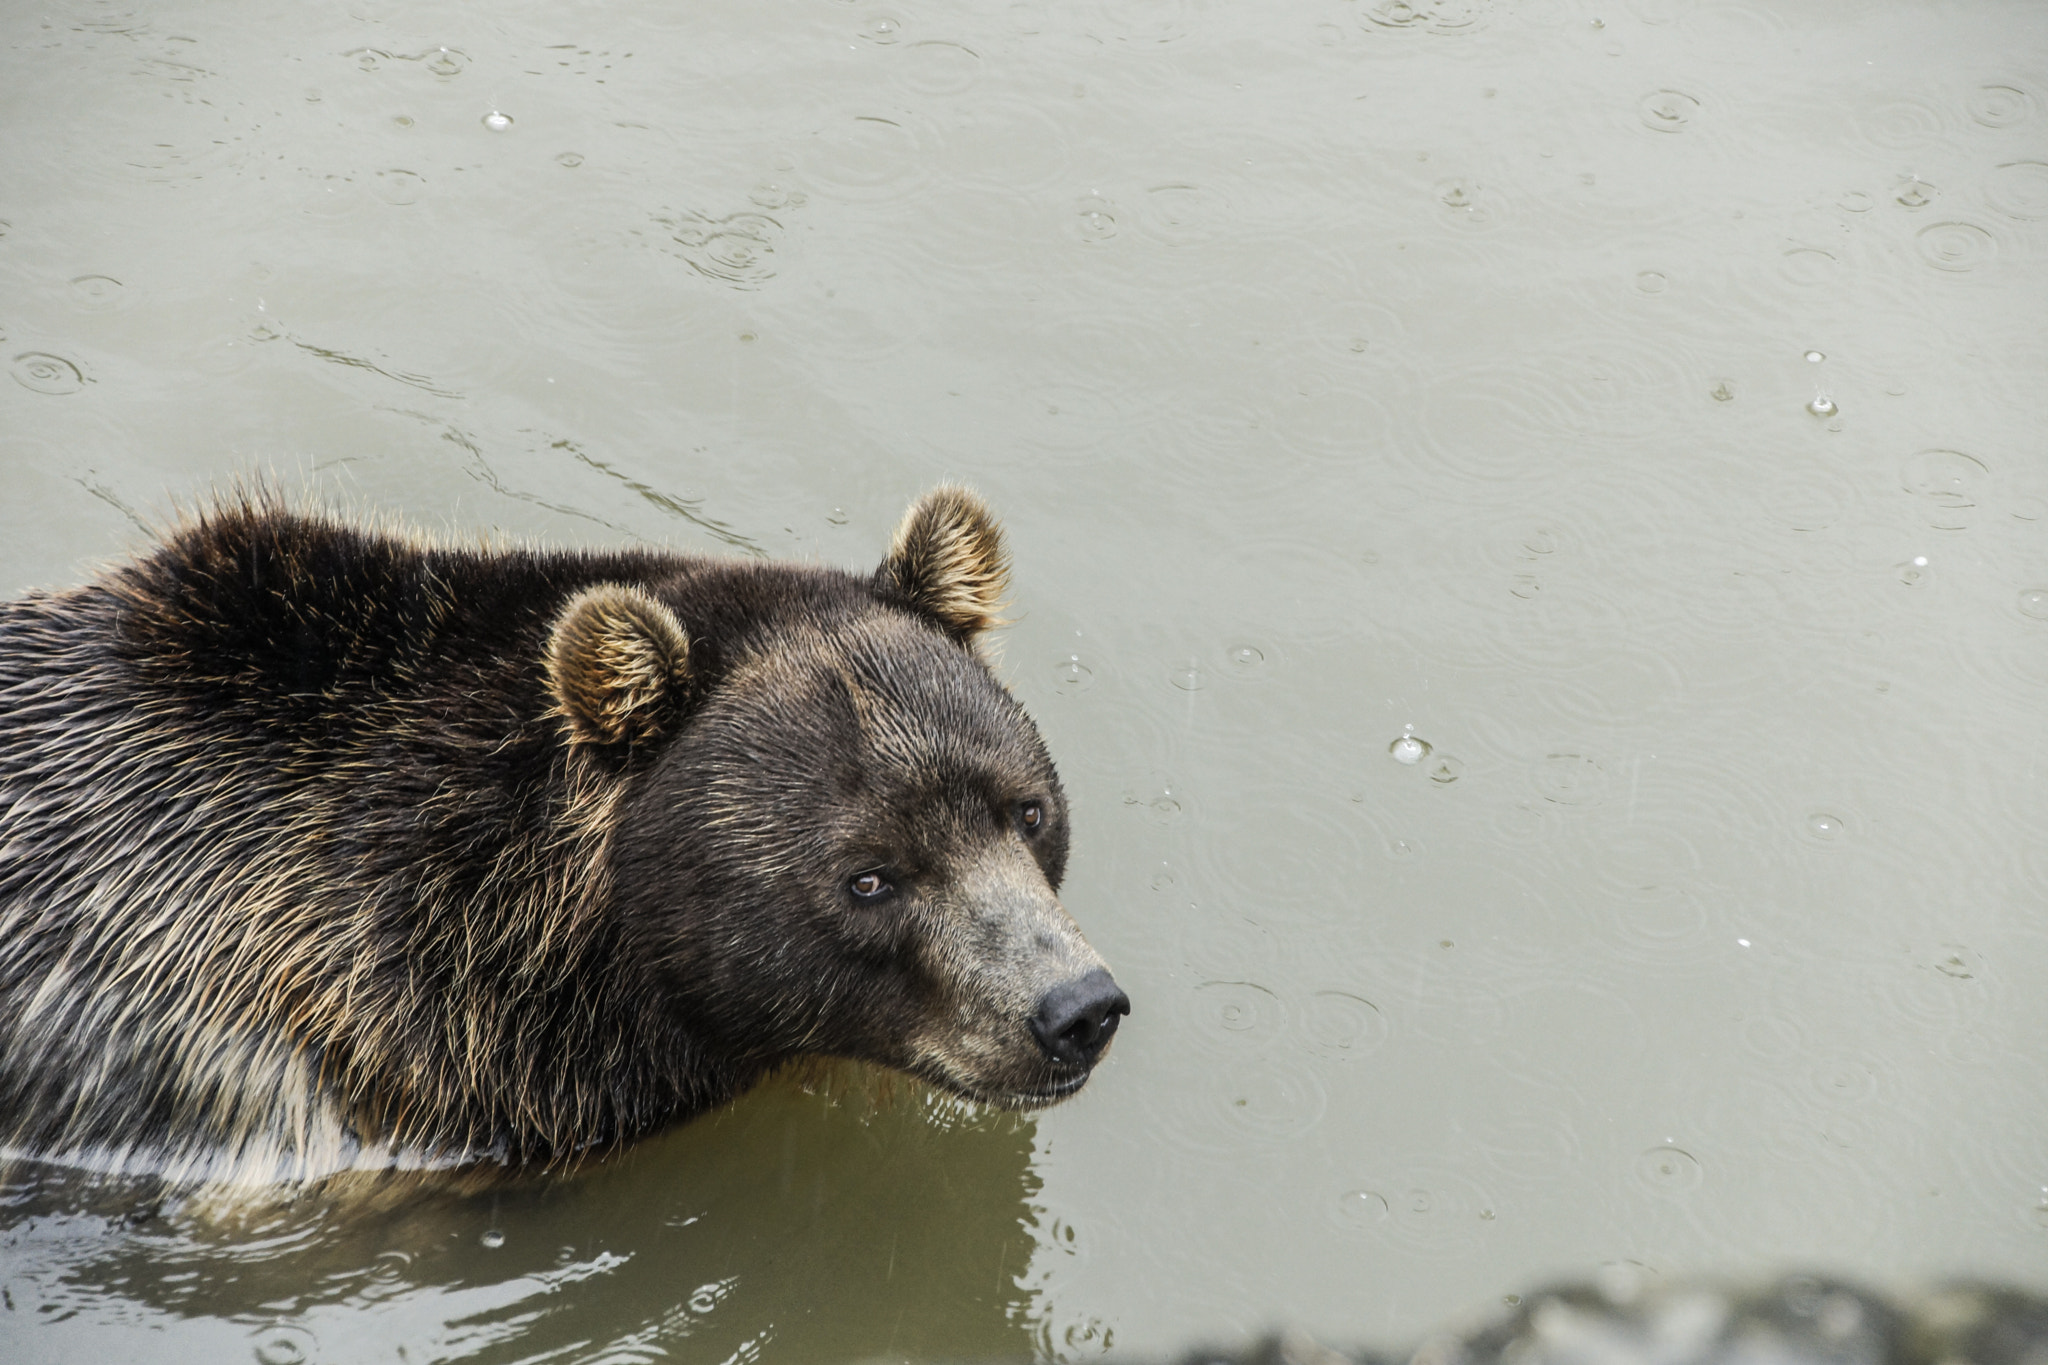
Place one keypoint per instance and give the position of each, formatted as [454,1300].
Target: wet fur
[310,841]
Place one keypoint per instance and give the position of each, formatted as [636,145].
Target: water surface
[1630,411]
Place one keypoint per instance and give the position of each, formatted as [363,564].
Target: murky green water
[1630,410]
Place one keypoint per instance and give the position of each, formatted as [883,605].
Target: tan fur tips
[948,561]
[617,661]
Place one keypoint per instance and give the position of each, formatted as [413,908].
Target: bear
[331,849]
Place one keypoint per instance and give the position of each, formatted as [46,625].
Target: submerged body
[323,850]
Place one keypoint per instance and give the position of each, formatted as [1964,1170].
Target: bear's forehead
[894,693]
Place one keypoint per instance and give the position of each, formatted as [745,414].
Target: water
[1344,370]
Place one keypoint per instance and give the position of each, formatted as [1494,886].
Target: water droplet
[1823,826]
[1651,282]
[1189,678]
[1444,769]
[402,120]
[1365,1207]
[1408,749]
[1914,193]
[2034,603]
[1070,675]
[1246,658]
[43,373]
[492,1239]
[1913,572]
[1822,406]
[881,29]
[1814,357]
[570,159]
[1096,219]
[1165,807]
[1955,246]
[446,63]
[1722,392]
[1402,848]
[1856,201]
[497,122]
[1667,111]
[1669,1170]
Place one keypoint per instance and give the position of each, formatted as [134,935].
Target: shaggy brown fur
[325,850]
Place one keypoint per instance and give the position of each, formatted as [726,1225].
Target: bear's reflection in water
[830,1217]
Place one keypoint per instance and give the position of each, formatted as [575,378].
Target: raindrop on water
[1823,825]
[570,159]
[1722,392]
[1815,357]
[492,1239]
[497,122]
[1667,111]
[1956,246]
[2000,106]
[1188,679]
[1669,1170]
[1822,406]
[44,373]
[1913,572]
[1914,193]
[2034,603]
[284,1346]
[1070,675]
[1444,769]
[1651,282]
[1408,749]
[1362,1206]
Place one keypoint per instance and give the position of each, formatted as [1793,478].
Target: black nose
[1076,1019]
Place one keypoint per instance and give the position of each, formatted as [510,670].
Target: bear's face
[852,846]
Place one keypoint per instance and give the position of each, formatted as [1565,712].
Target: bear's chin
[999,1097]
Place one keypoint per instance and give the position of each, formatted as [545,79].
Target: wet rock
[1798,1320]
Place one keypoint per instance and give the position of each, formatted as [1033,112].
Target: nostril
[1076,1019]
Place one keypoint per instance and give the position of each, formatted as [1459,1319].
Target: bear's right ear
[948,562]
[618,663]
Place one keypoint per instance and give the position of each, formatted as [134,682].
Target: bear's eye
[868,886]
[1031,815]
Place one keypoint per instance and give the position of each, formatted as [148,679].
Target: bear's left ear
[618,663]
[948,562]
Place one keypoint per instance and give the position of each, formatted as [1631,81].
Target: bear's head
[841,835]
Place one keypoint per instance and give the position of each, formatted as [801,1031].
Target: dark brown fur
[322,849]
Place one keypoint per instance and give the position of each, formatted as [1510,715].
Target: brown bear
[324,849]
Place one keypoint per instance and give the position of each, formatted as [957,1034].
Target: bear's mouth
[1046,1093]
[1036,1097]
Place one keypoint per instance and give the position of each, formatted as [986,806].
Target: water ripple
[2019,189]
[41,372]
[1956,246]
[738,249]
